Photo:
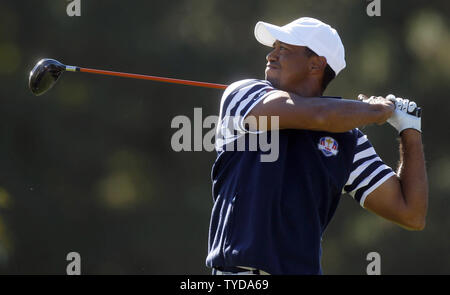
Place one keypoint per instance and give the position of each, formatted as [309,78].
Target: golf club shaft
[146,77]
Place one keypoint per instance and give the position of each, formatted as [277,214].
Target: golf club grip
[152,78]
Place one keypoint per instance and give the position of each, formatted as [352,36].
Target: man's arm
[318,113]
[403,199]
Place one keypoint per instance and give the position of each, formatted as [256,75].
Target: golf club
[47,72]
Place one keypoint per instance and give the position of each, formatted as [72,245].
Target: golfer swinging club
[269,217]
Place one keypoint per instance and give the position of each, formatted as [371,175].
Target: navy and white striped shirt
[240,98]
[367,171]
[271,216]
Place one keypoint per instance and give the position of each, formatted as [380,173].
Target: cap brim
[267,34]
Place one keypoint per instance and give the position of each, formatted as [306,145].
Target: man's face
[287,66]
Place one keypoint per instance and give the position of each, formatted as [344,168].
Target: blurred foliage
[88,167]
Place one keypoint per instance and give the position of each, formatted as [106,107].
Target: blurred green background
[88,167]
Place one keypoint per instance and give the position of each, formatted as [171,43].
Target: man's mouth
[272,66]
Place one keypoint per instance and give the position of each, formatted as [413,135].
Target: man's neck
[308,89]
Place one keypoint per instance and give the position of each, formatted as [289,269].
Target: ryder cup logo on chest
[328,146]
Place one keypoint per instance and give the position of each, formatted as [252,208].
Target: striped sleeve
[368,171]
[239,99]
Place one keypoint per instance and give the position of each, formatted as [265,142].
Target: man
[269,217]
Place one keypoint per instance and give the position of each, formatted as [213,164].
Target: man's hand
[387,104]
[405,115]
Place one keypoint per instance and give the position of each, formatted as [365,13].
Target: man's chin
[271,76]
[273,81]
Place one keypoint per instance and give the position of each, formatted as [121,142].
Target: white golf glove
[406,114]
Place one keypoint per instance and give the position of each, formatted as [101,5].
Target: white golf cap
[309,32]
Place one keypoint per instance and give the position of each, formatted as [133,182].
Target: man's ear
[317,64]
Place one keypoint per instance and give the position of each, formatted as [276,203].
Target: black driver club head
[44,75]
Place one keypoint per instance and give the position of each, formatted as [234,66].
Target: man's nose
[272,56]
